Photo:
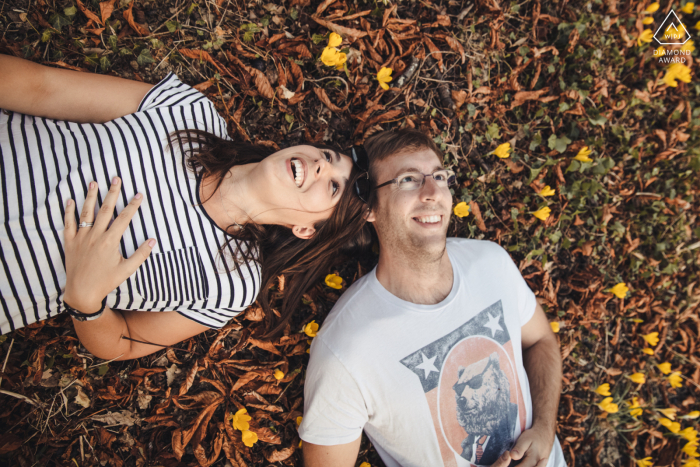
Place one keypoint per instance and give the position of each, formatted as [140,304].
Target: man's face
[412,221]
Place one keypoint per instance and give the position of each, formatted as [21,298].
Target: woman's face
[306,181]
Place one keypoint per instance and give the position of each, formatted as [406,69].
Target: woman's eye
[328,156]
[336,187]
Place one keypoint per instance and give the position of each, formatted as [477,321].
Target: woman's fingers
[120,224]
[69,230]
[88,212]
[104,215]
[132,263]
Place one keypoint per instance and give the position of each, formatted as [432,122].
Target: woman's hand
[94,266]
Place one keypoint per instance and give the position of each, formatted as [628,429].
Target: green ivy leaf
[105,63]
[173,25]
[70,11]
[145,57]
[58,20]
[558,144]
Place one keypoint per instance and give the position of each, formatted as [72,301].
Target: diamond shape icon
[672,31]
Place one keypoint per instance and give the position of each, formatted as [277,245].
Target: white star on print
[428,365]
[493,325]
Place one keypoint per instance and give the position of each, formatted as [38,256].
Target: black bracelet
[80,316]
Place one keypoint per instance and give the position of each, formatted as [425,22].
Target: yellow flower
[646,36]
[384,76]
[547,191]
[638,378]
[635,410]
[603,389]
[299,419]
[697,25]
[652,338]
[542,213]
[693,415]
[648,351]
[660,51]
[673,427]
[648,20]
[620,290]
[608,405]
[691,463]
[503,151]
[670,413]
[583,154]
[332,57]
[278,374]
[334,40]
[688,46]
[675,379]
[637,320]
[311,329]
[334,281]
[691,448]
[676,71]
[461,209]
[240,420]
[555,326]
[365,464]
[688,8]
[690,433]
[652,8]
[664,367]
[646,462]
[249,438]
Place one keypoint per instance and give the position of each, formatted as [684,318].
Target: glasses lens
[360,158]
[444,177]
[362,187]
[410,181]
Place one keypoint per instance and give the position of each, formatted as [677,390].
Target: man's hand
[533,447]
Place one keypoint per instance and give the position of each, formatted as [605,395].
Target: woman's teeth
[428,219]
[299,169]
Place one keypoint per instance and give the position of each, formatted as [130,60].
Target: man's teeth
[428,219]
[299,168]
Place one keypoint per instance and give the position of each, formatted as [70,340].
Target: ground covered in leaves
[553,79]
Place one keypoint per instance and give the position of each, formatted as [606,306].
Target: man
[441,353]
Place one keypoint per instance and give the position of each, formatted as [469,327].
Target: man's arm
[340,455]
[542,363]
[43,91]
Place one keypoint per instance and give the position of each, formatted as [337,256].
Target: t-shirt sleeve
[170,92]
[334,409]
[526,298]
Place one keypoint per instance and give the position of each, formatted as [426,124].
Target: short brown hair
[388,143]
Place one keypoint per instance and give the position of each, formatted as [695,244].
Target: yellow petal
[646,36]
[555,326]
[693,415]
[311,329]
[249,438]
[646,462]
[688,8]
[461,209]
[670,413]
[547,191]
[278,374]
[542,213]
[334,40]
[697,25]
[608,405]
[638,378]
[675,379]
[620,290]
[688,46]
[503,151]
[691,463]
[665,422]
[384,76]
[648,20]
[583,154]
[660,51]
[652,339]
[690,449]
[240,420]
[670,79]
[299,419]
[330,56]
[334,281]
[648,351]
[665,367]
[603,390]
[652,8]
[689,433]
[365,464]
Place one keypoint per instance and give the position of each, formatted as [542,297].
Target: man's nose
[430,191]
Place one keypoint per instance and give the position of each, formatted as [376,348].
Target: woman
[218,223]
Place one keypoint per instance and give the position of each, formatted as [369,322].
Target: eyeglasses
[361,161]
[415,180]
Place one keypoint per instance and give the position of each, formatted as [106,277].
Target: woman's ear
[303,232]
[369,215]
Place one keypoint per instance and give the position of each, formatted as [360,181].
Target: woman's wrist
[86,307]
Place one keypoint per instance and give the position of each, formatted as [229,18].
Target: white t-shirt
[431,385]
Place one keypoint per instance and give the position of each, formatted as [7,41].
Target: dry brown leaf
[521,97]
[89,13]
[456,46]
[279,455]
[350,33]
[204,56]
[189,379]
[129,17]
[181,438]
[458,96]
[477,216]
[254,313]
[265,345]
[200,454]
[106,9]
[434,51]
[322,7]
[323,97]
[261,83]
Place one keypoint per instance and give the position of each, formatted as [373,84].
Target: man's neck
[425,280]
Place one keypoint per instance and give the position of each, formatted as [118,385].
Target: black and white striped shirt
[45,162]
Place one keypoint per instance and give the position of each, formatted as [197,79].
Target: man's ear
[303,232]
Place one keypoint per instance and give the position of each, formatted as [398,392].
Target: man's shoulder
[475,248]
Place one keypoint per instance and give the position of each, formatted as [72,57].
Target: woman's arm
[43,91]
[94,267]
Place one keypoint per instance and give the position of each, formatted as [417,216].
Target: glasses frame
[450,176]
[362,183]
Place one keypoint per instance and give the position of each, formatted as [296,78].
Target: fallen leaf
[117,418]
[129,17]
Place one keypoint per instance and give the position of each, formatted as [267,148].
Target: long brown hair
[279,251]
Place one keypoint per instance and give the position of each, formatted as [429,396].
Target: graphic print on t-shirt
[472,389]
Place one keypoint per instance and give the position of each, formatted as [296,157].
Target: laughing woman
[127,206]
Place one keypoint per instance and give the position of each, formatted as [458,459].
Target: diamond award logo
[672,31]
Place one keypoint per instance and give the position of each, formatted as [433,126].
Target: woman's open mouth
[298,171]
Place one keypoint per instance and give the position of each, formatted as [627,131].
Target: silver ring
[86,224]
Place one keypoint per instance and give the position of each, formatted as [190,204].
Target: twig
[21,397]
[6,357]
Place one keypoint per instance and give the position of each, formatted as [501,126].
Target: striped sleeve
[170,92]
